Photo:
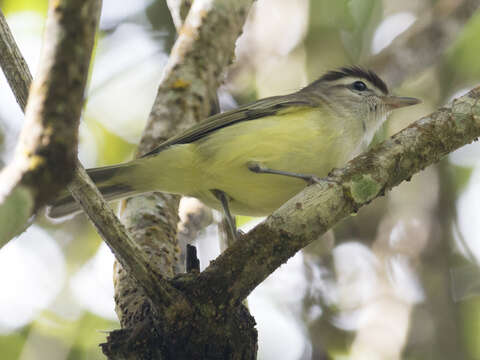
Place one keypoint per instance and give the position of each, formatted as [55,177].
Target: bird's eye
[359,86]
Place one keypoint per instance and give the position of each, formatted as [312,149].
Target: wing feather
[258,109]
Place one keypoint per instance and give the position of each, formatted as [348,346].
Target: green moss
[461,113]
[476,111]
[364,188]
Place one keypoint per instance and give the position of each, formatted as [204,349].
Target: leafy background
[398,280]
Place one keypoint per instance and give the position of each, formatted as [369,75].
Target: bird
[251,160]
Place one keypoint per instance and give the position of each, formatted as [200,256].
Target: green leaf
[12,344]
[327,13]
[463,56]
[366,14]
[14,213]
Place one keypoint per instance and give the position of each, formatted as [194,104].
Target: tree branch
[13,64]
[196,216]
[109,227]
[47,149]
[195,68]
[179,10]
[126,251]
[243,266]
[204,48]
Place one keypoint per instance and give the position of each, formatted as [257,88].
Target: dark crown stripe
[357,72]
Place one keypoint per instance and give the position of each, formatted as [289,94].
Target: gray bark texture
[13,64]
[47,150]
[186,95]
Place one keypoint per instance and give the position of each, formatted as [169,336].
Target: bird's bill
[395,102]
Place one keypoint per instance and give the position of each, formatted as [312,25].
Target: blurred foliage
[366,14]
[112,149]
[11,6]
[86,342]
[460,176]
[470,317]
[159,17]
[462,59]
[85,246]
[340,32]
[15,212]
[12,344]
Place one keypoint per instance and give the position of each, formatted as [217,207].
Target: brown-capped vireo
[253,159]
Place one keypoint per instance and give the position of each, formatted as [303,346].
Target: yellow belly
[306,146]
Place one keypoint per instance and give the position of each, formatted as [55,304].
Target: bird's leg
[260,169]
[222,197]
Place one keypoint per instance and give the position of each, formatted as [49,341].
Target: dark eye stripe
[357,72]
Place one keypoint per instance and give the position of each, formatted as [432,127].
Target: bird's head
[358,94]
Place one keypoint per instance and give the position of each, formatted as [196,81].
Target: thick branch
[204,48]
[243,266]
[197,216]
[13,64]
[47,149]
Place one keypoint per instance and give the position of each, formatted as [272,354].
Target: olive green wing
[256,110]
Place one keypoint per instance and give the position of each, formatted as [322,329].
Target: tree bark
[13,64]
[47,150]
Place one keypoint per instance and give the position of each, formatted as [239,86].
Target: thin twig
[179,10]
[126,251]
[13,64]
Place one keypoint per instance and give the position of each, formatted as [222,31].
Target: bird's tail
[110,182]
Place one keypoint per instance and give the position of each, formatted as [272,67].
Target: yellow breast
[303,142]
